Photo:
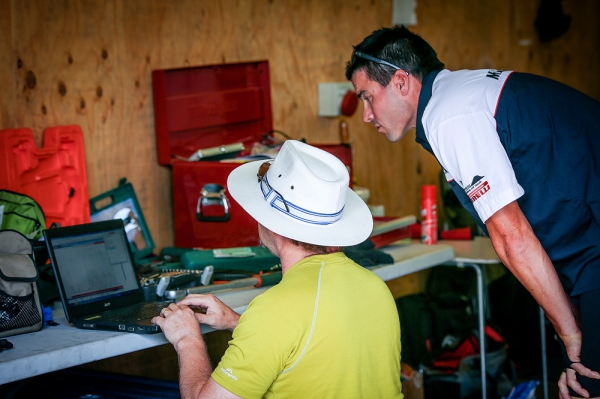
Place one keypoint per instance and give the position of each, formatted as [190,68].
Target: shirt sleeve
[469,149]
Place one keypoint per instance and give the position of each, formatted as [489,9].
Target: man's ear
[401,81]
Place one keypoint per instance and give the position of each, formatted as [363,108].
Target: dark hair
[316,249]
[398,46]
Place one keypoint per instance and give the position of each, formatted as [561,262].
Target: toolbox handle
[212,195]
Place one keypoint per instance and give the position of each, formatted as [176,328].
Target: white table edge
[38,353]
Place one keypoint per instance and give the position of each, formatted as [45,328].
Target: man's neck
[290,255]
[288,252]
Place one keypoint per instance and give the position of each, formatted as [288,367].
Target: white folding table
[63,346]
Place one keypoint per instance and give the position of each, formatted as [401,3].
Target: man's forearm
[531,265]
[522,253]
[194,367]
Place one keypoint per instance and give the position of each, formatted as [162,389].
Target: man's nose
[367,113]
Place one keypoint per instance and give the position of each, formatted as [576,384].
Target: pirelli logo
[477,189]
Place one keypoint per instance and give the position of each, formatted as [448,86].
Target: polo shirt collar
[424,96]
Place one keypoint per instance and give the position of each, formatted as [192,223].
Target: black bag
[20,307]
[456,373]
[430,324]
[440,335]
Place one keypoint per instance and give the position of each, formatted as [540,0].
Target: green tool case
[261,261]
[122,203]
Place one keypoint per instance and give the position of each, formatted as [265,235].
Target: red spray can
[429,222]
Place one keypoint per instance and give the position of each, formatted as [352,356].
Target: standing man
[520,152]
[330,328]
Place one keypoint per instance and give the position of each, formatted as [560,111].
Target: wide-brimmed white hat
[304,196]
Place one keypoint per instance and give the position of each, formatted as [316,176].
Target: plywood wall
[89,63]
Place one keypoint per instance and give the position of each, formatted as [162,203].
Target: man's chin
[396,136]
[392,137]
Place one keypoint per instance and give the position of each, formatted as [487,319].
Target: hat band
[295,211]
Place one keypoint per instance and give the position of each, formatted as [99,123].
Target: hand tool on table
[175,278]
[257,280]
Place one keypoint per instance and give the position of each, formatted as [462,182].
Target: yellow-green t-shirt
[329,329]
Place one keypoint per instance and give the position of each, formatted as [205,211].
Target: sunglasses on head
[368,57]
[262,171]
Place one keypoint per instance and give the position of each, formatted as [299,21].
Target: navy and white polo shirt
[502,136]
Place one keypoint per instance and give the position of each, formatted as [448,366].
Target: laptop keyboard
[143,311]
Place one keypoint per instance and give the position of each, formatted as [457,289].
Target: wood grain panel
[89,63]
[8,66]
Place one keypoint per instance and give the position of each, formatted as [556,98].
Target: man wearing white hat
[330,328]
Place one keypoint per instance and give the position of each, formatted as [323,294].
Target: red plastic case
[54,175]
[210,106]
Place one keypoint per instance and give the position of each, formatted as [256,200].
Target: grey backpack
[20,308]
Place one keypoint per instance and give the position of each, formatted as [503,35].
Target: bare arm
[194,366]
[181,327]
[522,253]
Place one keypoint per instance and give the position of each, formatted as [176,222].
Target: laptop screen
[93,266]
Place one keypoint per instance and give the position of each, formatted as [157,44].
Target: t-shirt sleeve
[469,149]
[256,353]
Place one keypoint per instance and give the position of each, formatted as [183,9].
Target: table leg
[544,358]
[481,314]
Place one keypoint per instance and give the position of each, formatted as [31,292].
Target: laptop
[97,281]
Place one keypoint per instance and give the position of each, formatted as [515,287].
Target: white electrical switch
[403,12]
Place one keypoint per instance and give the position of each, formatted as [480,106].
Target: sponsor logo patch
[229,373]
[477,189]
[494,74]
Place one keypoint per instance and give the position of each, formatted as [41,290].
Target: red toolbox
[54,175]
[212,106]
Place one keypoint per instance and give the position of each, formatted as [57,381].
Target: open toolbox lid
[210,106]
[121,203]
[54,175]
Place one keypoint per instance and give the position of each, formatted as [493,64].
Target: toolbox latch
[213,205]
